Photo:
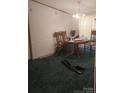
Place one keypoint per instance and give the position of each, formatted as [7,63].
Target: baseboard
[48,55]
[44,56]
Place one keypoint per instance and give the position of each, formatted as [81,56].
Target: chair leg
[85,47]
[57,52]
[90,49]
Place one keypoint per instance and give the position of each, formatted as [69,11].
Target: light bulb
[76,16]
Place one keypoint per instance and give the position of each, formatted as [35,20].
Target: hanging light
[77,15]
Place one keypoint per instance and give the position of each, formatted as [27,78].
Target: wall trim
[44,56]
[51,7]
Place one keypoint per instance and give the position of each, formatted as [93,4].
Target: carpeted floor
[49,75]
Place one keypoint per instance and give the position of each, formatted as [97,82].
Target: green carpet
[49,75]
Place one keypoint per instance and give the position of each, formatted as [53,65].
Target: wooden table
[76,45]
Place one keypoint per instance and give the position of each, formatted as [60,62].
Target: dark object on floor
[79,68]
[76,69]
[66,62]
[68,65]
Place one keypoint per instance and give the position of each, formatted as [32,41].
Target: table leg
[76,50]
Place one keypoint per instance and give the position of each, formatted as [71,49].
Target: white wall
[44,21]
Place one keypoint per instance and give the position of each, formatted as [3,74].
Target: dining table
[76,43]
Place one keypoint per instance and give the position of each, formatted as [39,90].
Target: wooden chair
[93,36]
[60,40]
[92,43]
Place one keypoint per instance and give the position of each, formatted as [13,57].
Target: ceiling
[72,6]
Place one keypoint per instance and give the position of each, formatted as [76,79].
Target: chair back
[60,38]
[93,36]
[64,35]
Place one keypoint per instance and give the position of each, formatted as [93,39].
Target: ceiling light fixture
[77,15]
